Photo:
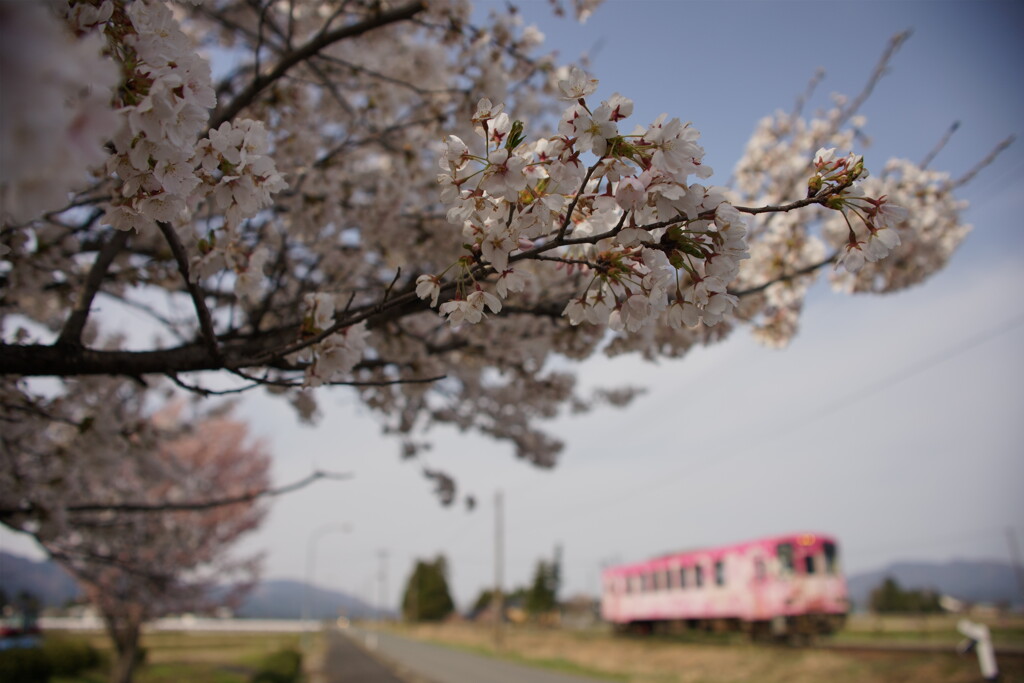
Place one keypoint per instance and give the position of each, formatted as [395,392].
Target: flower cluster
[926,226]
[334,357]
[167,96]
[874,235]
[238,177]
[656,247]
[165,168]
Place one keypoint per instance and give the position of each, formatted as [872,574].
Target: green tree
[542,596]
[482,602]
[427,597]
[889,596]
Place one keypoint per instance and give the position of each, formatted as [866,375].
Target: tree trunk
[125,632]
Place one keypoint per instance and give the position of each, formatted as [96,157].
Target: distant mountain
[45,580]
[968,580]
[284,599]
[273,599]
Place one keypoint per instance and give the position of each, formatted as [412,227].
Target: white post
[979,639]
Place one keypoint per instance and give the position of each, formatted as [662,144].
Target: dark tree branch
[72,332]
[806,270]
[190,506]
[310,49]
[202,312]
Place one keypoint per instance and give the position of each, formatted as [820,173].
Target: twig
[939,145]
[880,70]
[969,176]
[311,48]
[806,270]
[575,200]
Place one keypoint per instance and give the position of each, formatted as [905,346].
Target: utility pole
[382,586]
[1011,537]
[498,599]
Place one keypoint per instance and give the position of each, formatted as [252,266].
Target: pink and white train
[783,586]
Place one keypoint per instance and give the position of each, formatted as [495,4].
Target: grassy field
[697,658]
[723,659]
[192,657]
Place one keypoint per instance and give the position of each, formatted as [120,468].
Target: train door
[759,587]
[611,598]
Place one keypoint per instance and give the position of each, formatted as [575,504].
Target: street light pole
[311,544]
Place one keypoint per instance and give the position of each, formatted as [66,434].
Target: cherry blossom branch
[39,360]
[70,559]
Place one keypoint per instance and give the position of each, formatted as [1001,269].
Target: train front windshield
[831,557]
[808,558]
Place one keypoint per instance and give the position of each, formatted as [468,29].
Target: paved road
[346,662]
[426,663]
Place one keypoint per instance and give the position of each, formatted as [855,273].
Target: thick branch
[38,360]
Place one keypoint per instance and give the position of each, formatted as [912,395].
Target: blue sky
[892,422]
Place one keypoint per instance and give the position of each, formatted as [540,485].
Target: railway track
[1002,653]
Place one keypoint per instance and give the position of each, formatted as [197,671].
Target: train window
[682,577]
[698,576]
[785,553]
[831,557]
[666,579]
[760,571]
[648,582]
[719,573]
[809,564]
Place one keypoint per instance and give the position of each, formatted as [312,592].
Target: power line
[853,397]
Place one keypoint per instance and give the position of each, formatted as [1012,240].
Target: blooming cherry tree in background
[136,564]
[389,197]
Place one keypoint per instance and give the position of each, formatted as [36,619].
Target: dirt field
[638,660]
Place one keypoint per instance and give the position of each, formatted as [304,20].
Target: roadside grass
[190,656]
[927,629]
[685,659]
